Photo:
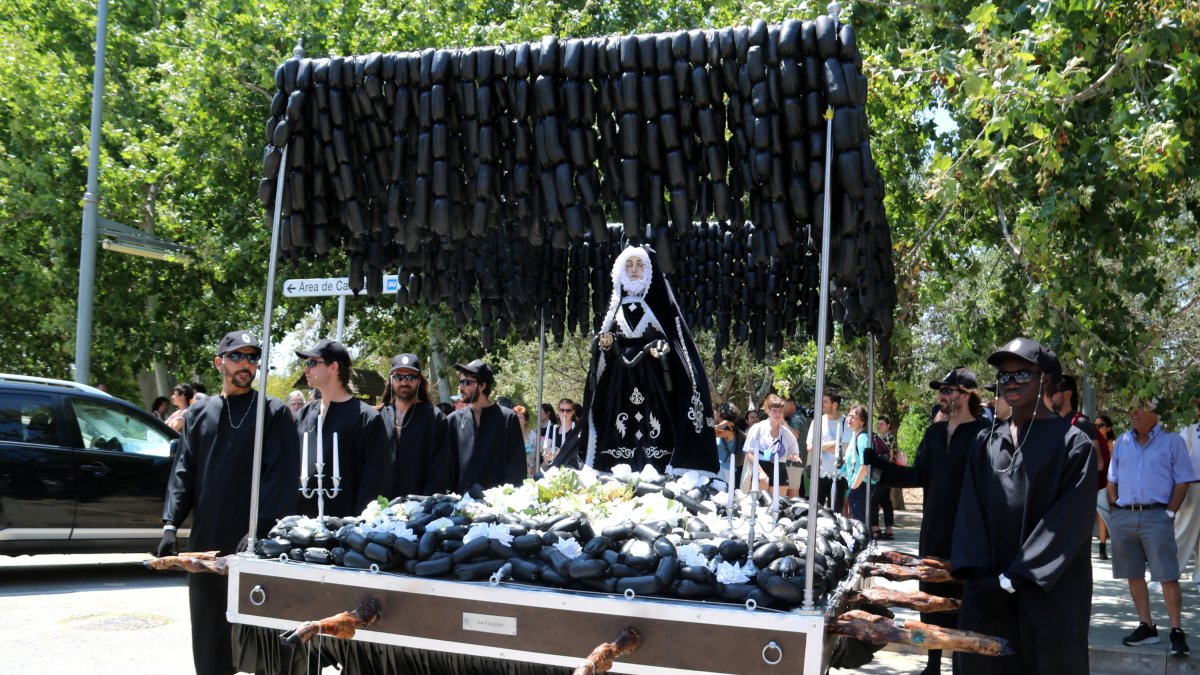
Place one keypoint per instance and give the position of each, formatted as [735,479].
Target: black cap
[959,377]
[328,351]
[990,386]
[236,340]
[481,370]
[409,361]
[1031,351]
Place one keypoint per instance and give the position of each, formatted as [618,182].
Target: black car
[80,471]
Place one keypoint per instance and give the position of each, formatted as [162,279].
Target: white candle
[304,461]
[731,488]
[775,484]
[337,471]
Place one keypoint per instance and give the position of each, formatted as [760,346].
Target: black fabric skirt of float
[258,650]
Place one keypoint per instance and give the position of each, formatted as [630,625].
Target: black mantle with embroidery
[641,409]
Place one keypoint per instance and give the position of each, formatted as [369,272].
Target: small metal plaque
[489,623]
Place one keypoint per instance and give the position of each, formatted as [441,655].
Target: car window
[27,418]
[104,426]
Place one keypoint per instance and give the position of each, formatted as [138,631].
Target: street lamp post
[91,208]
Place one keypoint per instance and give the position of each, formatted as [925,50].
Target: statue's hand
[659,349]
[605,340]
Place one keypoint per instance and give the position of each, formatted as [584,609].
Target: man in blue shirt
[1148,479]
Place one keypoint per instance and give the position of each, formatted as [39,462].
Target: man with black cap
[343,433]
[416,431]
[1063,398]
[1021,540]
[211,481]
[486,448]
[938,467]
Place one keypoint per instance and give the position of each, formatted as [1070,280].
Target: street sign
[314,288]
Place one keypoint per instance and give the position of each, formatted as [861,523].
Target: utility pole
[91,209]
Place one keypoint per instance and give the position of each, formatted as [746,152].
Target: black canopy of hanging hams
[504,180]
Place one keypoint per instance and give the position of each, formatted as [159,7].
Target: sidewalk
[1113,618]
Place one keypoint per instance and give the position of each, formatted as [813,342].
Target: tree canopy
[1040,161]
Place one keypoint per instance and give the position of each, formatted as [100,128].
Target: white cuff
[1006,584]
[169,528]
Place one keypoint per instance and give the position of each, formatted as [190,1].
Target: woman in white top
[768,441]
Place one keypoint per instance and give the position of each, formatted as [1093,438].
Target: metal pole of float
[91,208]
[341,324]
[541,381]
[870,433]
[260,414]
[822,338]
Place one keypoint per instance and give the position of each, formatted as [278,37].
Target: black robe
[420,460]
[1033,523]
[938,468]
[488,455]
[571,453]
[365,456]
[211,481]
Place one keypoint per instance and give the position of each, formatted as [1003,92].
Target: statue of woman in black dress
[647,399]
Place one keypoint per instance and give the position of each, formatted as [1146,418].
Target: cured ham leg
[341,626]
[903,573]
[879,630]
[918,600]
[191,562]
[898,558]
[602,657]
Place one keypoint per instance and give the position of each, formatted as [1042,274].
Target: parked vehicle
[80,471]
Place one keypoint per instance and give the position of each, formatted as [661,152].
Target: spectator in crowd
[362,451]
[939,466]
[1148,480]
[797,422]
[561,432]
[1022,534]
[834,434]
[1187,521]
[1104,444]
[486,448]
[769,440]
[181,398]
[731,441]
[159,408]
[416,431]
[445,407]
[568,437]
[295,401]
[211,482]
[753,416]
[856,468]
[881,495]
[530,437]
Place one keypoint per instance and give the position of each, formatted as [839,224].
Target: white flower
[371,511]
[729,573]
[400,529]
[690,555]
[650,474]
[498,531]
[689,480]
[569,548]
[588,477]
[410,507]
[439,524]
[622,472]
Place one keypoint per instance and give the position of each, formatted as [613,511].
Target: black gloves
[167,545]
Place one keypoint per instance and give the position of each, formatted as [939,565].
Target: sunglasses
[946,391]
[399,377]
[313,363]
[238,357]
[466,383]
[566,410]
[1020,377]
[1102,425]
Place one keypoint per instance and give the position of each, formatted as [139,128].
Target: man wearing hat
[416,431]
[1021,539]
[938,468]
[1148,479]
[211,481]
[338,421]
[486,448]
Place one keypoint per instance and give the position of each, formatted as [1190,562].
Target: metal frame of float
[524,622]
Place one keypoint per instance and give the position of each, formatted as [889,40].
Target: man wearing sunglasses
[1023,532]
[486,448]
[416,431]
[938,467]
[364,458]
[211,481]
[1148,479]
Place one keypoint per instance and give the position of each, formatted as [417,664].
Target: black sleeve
[917,475]
[971,551]
[181,496]
[376,476]
[437,476]
[514,447]
[280,474]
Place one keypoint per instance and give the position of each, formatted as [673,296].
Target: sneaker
[1178,644]
[1144,634]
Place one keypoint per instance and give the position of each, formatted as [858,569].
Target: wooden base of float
[548,629]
